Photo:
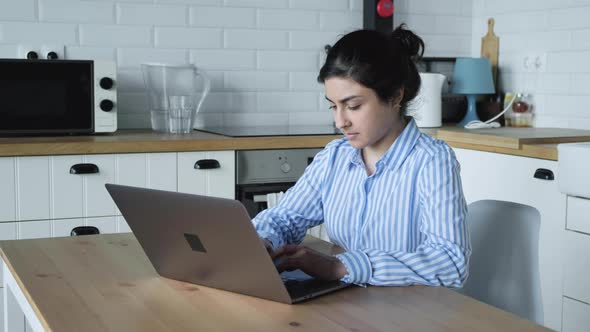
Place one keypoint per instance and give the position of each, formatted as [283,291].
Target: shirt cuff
[357,265]
[275,241]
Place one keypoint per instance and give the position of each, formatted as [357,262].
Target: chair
[504,265]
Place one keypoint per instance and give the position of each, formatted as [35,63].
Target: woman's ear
[398,97]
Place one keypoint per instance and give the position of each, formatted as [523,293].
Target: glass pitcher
[175,95]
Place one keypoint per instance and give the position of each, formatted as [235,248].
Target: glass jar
[522,111]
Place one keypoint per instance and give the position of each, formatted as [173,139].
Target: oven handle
[207,164]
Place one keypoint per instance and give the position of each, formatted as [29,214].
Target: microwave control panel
[105,97]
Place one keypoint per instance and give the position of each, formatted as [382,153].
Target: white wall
[263,55]
[558,29]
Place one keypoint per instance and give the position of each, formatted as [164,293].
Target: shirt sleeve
[300,208]
[442,259]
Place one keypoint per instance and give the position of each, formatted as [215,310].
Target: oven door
[46,97]
[254,196]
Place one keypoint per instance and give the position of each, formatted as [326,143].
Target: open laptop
[210,241]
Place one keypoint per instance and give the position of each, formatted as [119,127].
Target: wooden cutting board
[490,45]
[512,138]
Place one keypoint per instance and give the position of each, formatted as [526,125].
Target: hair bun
[408,42]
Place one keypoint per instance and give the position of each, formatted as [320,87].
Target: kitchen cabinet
[217,181]
[493,177]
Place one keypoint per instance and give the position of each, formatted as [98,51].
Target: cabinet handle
[84,230]
[84,169]
[544,174]
[207,164]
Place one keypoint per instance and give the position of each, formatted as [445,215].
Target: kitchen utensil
[175,95]
[426,107]
[490,45]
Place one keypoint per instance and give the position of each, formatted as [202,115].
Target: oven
[261,173]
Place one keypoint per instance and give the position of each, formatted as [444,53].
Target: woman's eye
[332,107]
[355,107]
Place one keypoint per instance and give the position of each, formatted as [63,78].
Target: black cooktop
[271,130]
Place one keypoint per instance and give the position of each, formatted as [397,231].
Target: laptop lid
[199,239]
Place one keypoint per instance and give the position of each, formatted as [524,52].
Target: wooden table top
[106,283]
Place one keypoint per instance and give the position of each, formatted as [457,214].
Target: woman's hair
[383,62]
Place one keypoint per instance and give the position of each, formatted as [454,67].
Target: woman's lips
[351,135]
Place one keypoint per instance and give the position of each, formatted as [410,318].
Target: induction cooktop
[271,130]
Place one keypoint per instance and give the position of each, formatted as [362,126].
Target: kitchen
[263,57]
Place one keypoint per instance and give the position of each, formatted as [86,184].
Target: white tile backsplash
[288,19]
[176,37]
[115,35]
[76,11]
[152,14]
[288,60]
[263,55]
[226,17]
[20,10]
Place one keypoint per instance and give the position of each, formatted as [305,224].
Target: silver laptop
[211,242]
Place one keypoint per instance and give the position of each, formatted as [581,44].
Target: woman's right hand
[267,245]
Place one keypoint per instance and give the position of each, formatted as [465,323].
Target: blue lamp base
[471,114]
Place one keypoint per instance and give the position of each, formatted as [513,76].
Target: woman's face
[362,117]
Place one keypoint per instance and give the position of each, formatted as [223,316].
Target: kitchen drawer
[36,229]
[576,316]
[7,231]
[577,266]
[7,189]
[578,214]
[218,182]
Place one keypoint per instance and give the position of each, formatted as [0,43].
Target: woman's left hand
[292,257]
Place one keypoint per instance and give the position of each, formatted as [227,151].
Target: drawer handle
[544,174]
[84,230]
[84,169]
[207,164]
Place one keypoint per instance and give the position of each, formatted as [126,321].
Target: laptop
[212,242]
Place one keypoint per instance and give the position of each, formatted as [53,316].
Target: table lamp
[472,77]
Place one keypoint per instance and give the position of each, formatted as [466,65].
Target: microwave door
[46,97]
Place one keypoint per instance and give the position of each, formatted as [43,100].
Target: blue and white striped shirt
[403,225]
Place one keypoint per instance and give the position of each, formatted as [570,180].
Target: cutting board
[490,45]
[512,138]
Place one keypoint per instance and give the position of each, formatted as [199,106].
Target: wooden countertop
[106,283]
[527,142]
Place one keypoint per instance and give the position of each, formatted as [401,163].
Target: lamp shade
[473,76]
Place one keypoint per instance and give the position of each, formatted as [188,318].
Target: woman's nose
[340,119]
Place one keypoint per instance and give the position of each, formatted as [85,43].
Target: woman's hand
[292,257]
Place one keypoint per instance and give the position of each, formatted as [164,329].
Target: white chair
[504,265]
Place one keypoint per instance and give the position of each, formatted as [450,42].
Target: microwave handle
[84,169]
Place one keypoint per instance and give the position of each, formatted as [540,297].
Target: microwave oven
[57,97]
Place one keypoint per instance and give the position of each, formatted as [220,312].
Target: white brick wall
[262,55]
[558,29]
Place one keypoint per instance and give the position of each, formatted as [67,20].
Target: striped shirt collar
[397,152]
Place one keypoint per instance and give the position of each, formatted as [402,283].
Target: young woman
[388,194]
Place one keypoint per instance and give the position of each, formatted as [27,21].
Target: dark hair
[383,62]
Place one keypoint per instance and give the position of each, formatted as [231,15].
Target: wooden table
[106,283]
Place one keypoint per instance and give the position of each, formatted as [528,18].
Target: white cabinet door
[7,231]
[493,176]
[67,192]
[576,283]
[34,229]
[162,171]
[105,225]
[576,316]
[33,188]
[97,201]
[219,182]
[63,227]
[7,189]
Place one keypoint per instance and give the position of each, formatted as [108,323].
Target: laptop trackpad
[302,286]
[296,275]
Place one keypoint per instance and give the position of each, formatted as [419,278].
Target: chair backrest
[504,265]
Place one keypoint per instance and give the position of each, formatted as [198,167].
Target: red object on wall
[385,8]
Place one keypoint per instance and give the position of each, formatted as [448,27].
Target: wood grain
[490,46]
[106,283]
[512,138]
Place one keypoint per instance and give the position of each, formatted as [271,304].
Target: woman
[389,195]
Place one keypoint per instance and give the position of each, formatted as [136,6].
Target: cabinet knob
[84,169]
[207,164]
[544,174]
